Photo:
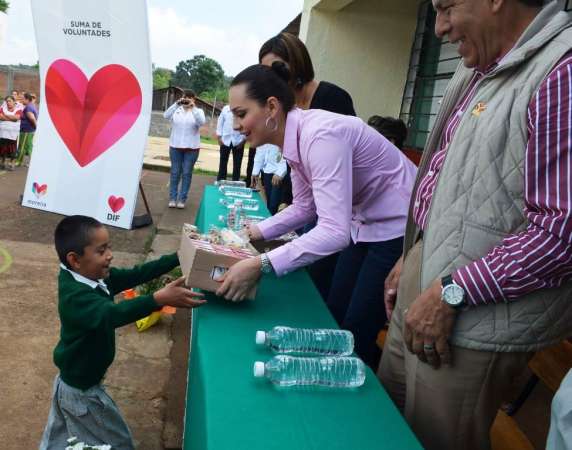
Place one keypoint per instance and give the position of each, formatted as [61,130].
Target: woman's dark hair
[392,129]
[293,51]
[189,93]
[263,82]
[9,97]
[28,96]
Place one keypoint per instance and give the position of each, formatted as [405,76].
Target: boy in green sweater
[87,284]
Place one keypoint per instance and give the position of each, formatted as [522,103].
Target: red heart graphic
[115,203]
[40,189]
[91,115]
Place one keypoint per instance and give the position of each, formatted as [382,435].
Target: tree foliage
[201,74]
[4,5]
[161,77]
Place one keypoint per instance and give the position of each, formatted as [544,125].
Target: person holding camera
[184,145]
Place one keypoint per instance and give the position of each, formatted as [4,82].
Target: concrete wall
[364,46]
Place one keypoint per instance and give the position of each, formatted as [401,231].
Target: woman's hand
[276,180]
[239,279]
[254,233]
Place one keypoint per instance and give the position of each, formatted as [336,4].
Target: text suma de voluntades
[86,28]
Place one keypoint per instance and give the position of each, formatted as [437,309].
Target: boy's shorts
[91,416]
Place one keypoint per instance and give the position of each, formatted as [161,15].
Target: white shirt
[8,129]
[269,159]
[225,128]
[186,125]
[91,283]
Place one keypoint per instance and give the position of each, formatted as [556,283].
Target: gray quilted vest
[479,197]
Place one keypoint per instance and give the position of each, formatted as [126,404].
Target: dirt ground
[149,367]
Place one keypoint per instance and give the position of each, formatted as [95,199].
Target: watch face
[454,295]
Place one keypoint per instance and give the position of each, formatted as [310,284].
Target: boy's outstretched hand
[178,295]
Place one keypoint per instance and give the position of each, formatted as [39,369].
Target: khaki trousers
[451,408]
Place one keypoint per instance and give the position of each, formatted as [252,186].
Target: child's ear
[73,261]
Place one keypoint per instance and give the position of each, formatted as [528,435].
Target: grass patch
[208,140]
[153,286]
[211,173]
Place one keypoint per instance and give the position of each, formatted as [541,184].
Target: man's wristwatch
[452,294]
[266,264]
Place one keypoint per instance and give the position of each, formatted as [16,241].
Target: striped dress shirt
[540,256]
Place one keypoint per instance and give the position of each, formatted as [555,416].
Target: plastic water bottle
[330,371]
[249,204]
[235,217]
[230,183]
[236,191]
[307,341]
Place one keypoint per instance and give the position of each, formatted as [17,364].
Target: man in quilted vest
[484,280]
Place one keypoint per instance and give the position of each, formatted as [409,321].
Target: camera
[184,101]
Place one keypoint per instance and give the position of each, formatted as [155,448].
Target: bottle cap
[258,369]
[260,337]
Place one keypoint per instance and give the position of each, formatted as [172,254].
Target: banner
[95,108]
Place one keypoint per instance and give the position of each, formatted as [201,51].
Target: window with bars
[432,64]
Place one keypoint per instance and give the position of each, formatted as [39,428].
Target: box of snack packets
[205,257]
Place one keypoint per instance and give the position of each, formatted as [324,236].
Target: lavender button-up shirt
[350,176]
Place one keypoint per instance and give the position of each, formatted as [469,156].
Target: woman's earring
[274,127]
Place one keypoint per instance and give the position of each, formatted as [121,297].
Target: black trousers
[250,165]
[356,295]
[237,153]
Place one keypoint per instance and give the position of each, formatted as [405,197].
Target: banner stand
[144,219]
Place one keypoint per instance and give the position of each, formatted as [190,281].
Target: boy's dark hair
[73,234]
[263,82]
[392,129]
[291,50]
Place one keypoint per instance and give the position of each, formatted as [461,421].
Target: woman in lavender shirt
[344,173]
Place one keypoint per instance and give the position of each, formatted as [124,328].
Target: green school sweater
[89,318]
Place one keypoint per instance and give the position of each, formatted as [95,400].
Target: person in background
[309,93]
[270,166]
[28,125]
[394,130]
[250,165]
[185,143]
[229,141]
[344,173]
[10,114]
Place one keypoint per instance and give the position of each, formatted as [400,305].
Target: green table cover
[228,409]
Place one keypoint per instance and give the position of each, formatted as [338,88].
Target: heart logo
[91,115]
[115,203]
[39,190]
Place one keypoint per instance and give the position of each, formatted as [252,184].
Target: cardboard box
[202,261]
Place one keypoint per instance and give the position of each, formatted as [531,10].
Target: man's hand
[178,295]
[276,180]
[254,181]
[239,279]
[428,325]
[390,287]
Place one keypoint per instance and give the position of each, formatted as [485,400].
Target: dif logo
[116,204]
